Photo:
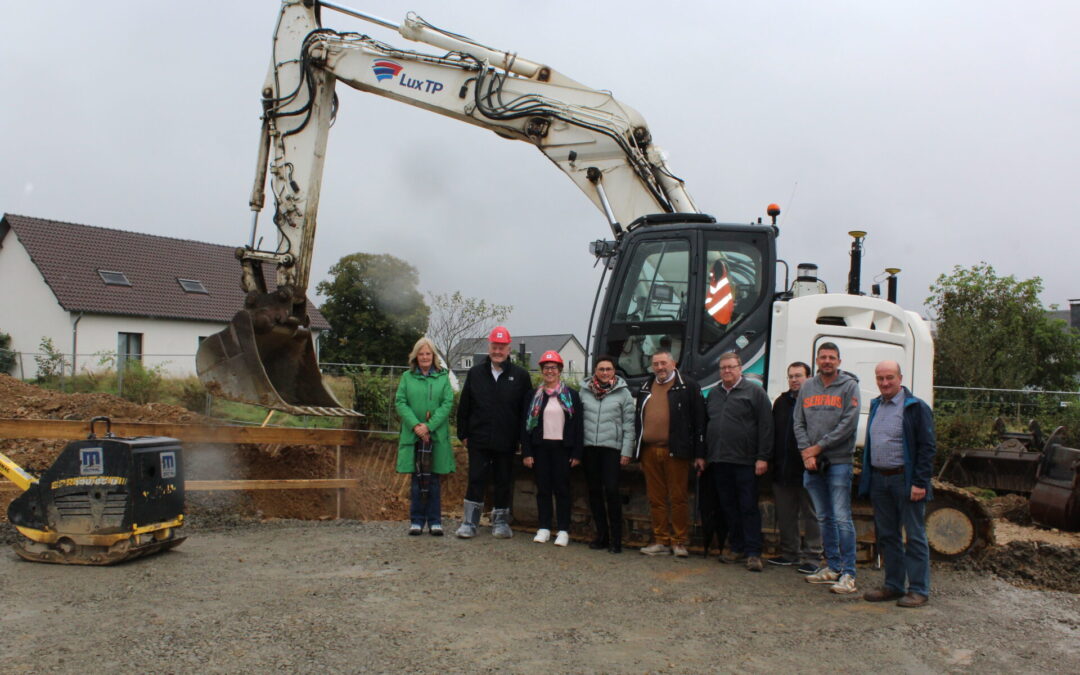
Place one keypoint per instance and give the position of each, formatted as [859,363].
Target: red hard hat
[551,356]
[499,335]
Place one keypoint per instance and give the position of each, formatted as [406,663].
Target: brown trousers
[667,480]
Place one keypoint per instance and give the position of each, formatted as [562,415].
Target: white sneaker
[845,585]
[824,575]
[656,549]
[562,538]
[542,536]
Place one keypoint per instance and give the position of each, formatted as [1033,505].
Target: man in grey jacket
[738,443]
[826,419]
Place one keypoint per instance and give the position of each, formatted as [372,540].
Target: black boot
[599,543]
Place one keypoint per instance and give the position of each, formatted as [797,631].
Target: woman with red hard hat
[552,444]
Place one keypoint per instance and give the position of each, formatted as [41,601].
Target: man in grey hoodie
[826,418]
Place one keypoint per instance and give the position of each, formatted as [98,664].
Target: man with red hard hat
[489,423]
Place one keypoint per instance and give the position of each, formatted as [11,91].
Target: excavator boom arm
[266,355]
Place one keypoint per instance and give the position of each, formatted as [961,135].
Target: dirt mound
[383,494]
[20,400]
[1013,508]
[1032,564]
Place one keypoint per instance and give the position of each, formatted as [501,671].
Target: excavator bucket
[1011,466]
[103,501]
[1055,501]
[260,360]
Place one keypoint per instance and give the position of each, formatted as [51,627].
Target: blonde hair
[420,344]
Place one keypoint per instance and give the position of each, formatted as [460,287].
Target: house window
[113,278]
[192,286]
[128,348]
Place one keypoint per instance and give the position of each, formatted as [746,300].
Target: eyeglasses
[730,367]
[549,368]
[605,370]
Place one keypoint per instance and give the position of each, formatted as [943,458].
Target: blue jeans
[831,494]
[907,568]
[425,514]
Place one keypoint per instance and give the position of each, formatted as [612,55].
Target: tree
[7,357]
[375,311]
[992,331]
[456,317]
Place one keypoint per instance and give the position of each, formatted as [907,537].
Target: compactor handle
[108,426]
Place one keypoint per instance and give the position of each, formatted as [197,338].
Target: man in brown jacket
[670,435]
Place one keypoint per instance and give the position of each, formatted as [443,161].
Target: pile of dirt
[1013,508]
[1032,564]
[19,400]
[383,494]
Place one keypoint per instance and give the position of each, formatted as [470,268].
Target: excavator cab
[686,284]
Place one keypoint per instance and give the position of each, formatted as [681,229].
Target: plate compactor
[104,500]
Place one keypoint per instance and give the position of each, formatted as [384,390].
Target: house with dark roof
[99,292]
[474,350]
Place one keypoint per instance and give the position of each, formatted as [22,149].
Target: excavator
[677,279]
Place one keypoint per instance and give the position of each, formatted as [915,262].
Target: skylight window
[193,286]
[112,278]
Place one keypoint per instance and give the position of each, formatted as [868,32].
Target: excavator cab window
[651,308]
[733,279]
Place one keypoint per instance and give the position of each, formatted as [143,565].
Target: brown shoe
[732,558]
[912,600]
[882,594]
[754,564]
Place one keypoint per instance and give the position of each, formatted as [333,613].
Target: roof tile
[69,257]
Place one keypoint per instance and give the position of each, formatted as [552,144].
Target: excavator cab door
[686,284]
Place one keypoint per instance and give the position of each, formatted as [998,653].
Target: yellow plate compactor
[104,500]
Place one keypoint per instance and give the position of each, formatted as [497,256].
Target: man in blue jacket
[898,463]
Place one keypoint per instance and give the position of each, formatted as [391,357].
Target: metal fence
[1020,404]
[370,388]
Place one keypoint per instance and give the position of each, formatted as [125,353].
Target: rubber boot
[500,524]
[470,520]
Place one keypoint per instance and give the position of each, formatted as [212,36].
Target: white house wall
[165,342]
[29,311]
[28,308]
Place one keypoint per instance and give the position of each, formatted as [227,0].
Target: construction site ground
[347,596]
[254,589]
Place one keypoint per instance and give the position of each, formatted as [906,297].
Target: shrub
[373,395]
[51,363]
[7,357]
[141,384]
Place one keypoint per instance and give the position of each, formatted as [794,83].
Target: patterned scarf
[563,392]
[599,389]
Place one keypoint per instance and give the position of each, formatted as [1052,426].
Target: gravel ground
[344,596]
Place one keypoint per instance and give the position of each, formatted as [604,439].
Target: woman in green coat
[423,401]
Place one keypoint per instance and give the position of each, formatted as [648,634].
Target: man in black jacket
[739,446]
[793,505]
[670,435]
[489,423]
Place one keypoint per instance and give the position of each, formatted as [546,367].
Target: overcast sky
[948,130]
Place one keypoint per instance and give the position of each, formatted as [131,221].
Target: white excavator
[676,278]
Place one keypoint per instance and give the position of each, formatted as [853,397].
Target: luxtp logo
[385,70]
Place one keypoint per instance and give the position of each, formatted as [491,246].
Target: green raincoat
[417,395]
